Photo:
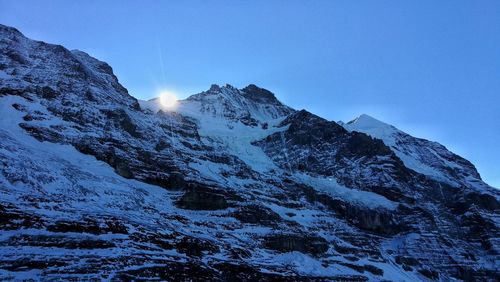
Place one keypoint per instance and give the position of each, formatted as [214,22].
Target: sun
[168,100]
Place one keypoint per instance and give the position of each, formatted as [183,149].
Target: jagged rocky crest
[231,186]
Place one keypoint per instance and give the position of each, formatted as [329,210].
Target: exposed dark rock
[485,201]
[431,274]
[195,247]
[59,242]
[127,124]
[16,57]
[377,220]
[244,272]
[308,244]
[259,94]
[162,241]
[315,145]
[171,271]
[480,229]
[362,268]
[110,225]
[89,96]
[239,253]
[42,133]
[27,263]
[360,144]
[373,269]
[407,261]
[380,221]
[16,92]
[48,93]
[174,182]
[176,271]
[248,120]
[162,145]
[11,218]
[202,199]
[123,169]
[256,214]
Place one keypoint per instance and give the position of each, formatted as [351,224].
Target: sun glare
[168,100]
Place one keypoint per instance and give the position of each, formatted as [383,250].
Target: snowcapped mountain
[232,185]
[429,158]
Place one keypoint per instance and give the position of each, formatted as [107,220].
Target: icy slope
[234,118]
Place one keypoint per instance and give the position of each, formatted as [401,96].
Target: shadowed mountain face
[232,185]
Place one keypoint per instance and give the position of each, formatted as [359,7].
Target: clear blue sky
[431,68]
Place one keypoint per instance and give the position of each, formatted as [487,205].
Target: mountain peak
[251,92]
[364,118]
[252,103]
[214,88]
[259,94]
[368,122]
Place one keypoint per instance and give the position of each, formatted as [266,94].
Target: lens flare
[168,100]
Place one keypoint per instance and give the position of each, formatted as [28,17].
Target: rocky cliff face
[429,158]
[232,185]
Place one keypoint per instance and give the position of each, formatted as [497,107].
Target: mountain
[429,158]
[232,185]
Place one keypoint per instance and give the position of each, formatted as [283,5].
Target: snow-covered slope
[423,156]
[230,186]
[234,118]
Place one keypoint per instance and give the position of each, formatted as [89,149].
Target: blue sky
[431,68]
